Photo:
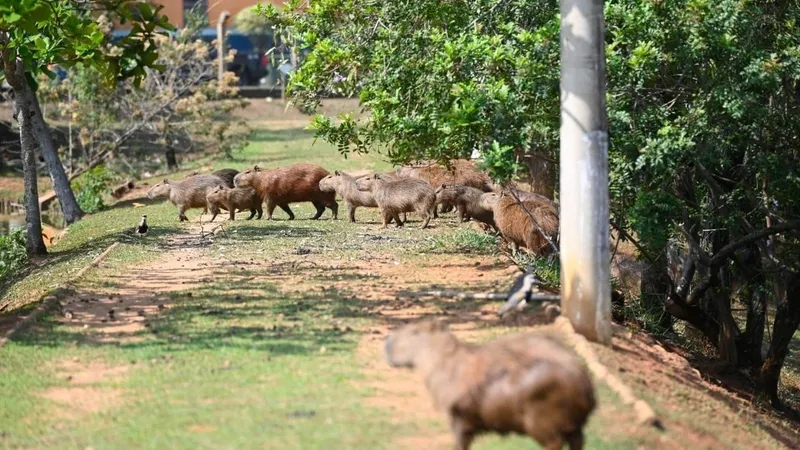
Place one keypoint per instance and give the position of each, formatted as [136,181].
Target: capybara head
[246,178]
[159,190]
[368,182]
[489,200]
[215,194]
[331,182]
[404,346]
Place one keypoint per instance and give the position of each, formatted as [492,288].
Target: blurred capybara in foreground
[188,193]
[528,384]
[467,201]
[516,226]
[462,171]
[232,200]
[227,175]
[292,184]
[397,196]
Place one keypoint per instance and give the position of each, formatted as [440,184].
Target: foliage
[45,32]
[439,80]
[12,254]
[546,268]
[91,187]
[248,21]
[182,107]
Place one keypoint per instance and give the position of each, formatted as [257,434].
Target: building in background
[176,10]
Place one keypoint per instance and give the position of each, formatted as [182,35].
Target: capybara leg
[426,218]
[252,214]
[351,212]
[213,216]
[405,218]
[233,213]
[435,212]
[259,211]
[320,209]
[182,213]
[461,213]
[575,440]
[386,217]
[334,207]
[288,211]
[270,209]
[396,218]
[462,432]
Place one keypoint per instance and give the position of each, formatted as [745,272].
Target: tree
[249,22]
[439,80]
[35,34]
[703,105]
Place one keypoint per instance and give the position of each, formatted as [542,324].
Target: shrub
[91,187]
[12,254]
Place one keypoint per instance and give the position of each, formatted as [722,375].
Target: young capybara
[467,201]
[227,175]
[186,194]
[234,199]
[462,171]
[516,226]
[527,384]
[292,184]
[345,186]
[396,196]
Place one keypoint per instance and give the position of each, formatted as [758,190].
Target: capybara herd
[527,384]
[522,218]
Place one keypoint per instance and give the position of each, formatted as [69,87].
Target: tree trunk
[172,162]
[787,319]
[542,171]
[585,277]
[69,205]
[655,287]
[25,111]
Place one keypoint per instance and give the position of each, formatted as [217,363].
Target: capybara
[234,199]
[345,185]
[467,201]
[396,196]
[292,184]
[462,171]
[227,175]
[529,384]
[186,194]
[516,226]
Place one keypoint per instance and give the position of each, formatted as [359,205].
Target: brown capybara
[516,226]
[345,185]
[227,175]
[292,184]
[396,196]
[186,194]
[233,199]
[528,384]
[462,171]
[467,201]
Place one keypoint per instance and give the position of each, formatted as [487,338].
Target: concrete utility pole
[222,35]
[585,284]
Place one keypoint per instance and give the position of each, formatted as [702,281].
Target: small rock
[68,315]
[226,364]
[85,326]
[76,359]
[323,349]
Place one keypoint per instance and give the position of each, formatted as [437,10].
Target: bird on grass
[141,230]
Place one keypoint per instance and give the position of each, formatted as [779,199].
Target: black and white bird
[141,230]
[520,293]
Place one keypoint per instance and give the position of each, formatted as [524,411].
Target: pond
[52,224]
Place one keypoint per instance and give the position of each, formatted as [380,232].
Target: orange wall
[174,8]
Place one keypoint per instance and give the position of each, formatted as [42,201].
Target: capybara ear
[337,173]
[166,181]
[256,168]
[376,176]
[444,186]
